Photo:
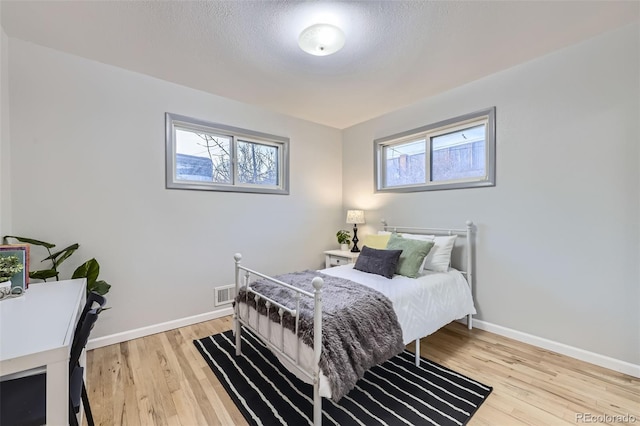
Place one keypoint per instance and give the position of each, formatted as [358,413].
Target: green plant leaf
[343,237]
[101,287]
[43,274]
[89,270]
[64,254]
[80,272]
[31,241]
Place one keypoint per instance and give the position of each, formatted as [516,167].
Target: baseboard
[156,328]
[561,348]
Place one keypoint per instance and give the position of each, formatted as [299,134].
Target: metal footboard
[242,277]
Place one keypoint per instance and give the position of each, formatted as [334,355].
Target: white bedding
[423,305]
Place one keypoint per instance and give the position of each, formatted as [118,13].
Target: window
[455,153]
[215,157]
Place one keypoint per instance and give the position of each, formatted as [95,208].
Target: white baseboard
[561,348]
[156,328]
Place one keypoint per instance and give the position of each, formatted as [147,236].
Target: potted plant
[89,270]
[344,239]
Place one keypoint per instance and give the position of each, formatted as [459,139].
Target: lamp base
[355,240]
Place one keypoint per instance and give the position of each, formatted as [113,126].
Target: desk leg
[58,393]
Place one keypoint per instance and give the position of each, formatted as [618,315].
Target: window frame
[236,135]
[485,116]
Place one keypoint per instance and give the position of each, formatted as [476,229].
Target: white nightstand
[339,257]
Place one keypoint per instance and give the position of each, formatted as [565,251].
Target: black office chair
[77,372]
[93,299]
[23,400]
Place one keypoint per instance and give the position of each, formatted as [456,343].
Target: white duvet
[423,305]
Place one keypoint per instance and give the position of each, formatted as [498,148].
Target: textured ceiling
[396,53]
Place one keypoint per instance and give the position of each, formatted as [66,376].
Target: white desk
[37,330]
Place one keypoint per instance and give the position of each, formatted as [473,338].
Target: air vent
[224,295]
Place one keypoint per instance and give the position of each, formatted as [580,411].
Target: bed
[292,326]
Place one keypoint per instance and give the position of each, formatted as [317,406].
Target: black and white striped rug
[393,393]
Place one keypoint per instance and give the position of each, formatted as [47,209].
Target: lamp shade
[355,216]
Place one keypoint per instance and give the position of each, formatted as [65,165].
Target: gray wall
[88,165]
[558,237]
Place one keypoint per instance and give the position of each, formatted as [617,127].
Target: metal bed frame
[242,278]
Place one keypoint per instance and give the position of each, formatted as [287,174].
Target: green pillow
[413,253]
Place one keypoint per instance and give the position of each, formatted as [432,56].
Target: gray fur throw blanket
[360,329]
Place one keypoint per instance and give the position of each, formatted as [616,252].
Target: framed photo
[14,265]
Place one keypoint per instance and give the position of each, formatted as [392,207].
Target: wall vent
[224,295]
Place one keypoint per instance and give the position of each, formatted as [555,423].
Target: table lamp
[356,217]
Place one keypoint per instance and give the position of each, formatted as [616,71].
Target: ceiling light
[321,39]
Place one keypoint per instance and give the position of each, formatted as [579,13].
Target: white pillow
[419,237]
[439,257]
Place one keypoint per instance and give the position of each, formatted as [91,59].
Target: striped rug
[393,393]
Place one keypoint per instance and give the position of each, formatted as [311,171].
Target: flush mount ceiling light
[321,39]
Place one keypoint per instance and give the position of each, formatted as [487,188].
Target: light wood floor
[163,380]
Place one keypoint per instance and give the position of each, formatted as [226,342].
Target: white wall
[88,166]
[558,237]
[5,195]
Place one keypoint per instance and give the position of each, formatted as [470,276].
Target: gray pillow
[413,253]
[380,262]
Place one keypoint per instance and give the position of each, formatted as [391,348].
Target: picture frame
[21,251]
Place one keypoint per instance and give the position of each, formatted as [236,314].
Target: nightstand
[339,257]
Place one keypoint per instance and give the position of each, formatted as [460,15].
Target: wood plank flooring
[163,380]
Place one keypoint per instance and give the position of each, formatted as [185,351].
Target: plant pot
[344,247]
